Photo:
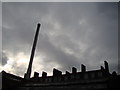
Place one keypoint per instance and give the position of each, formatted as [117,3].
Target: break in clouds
[71,34]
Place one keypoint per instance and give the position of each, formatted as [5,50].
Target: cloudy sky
[71,34]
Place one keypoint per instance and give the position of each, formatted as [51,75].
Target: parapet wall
[73,76]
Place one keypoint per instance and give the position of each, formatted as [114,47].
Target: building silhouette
[100,79]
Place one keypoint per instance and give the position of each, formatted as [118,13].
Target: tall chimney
[29,70]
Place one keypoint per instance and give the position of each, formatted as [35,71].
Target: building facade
[100,79]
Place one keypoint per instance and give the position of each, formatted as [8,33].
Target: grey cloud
[4,58]
[19,70]
[58,55]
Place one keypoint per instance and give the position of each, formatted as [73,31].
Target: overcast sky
[71,34]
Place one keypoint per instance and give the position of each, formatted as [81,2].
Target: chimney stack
[102,68]
[106,66]
[67,73]
[56,72]
[74,70]
[44,74]
[36,74]
[83,68]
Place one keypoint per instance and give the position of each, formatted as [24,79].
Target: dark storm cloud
[72,33]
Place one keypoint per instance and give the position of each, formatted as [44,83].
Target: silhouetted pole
[29,70]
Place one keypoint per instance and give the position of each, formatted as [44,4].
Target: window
[55,78]
[46,80]
[92,75]
[59,78]
[66,78]
[86,76]
[77,76]
[72,76]
[99,74]
[49,79]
